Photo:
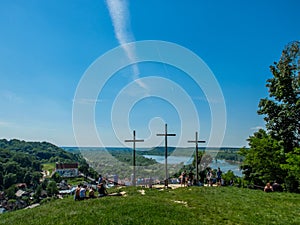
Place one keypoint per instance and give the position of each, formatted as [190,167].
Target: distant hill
[42,151]
[157,151]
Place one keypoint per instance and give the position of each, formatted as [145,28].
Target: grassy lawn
[49,167]
[196,205]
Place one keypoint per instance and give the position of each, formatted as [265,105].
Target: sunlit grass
[195,205]
[50,167]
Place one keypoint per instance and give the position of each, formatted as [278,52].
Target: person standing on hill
[209,178]
[219,176]
[77,193]
[191,178]
[183,178]
[100,179]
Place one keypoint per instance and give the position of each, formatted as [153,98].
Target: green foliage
[230,155]
[10,192]
[195,205]
[125,155]
[282,109]
[263,159]
[31,152]
[275,155]
[56,177]
[229,177]
[159,150]
[52,188]
[293,163]
[20,161]
[9,180]
[38,192]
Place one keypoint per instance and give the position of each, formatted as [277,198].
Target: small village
[29,197]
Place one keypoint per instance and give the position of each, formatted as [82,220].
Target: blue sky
[46,47]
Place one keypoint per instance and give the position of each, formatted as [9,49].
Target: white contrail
[119,13]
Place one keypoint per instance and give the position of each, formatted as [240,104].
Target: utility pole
[196,142]
[166,135]
[133,155]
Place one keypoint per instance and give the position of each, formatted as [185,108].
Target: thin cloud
[87,101]
[11,96]
[5,124]
[119,13]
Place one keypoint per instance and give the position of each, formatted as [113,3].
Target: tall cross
[166,152]
[196,141]
[133,155]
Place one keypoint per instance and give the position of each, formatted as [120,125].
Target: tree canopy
[274,154]
[282,109]
[21,162]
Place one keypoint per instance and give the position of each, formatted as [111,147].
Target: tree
[275,155]
[84,168]
[52,188]
[263,160]
[36,177]
[38,192]
[282,109]
[56,177]
[9,180]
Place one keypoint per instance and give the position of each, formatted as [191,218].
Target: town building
[67,169]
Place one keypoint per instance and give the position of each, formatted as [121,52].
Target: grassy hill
[195,205]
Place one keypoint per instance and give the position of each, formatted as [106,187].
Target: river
[224,166]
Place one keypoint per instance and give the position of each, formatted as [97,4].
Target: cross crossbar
[197,141]
[165,134]
[134,140]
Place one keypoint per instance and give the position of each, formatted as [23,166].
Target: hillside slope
[21,161]
[195,205]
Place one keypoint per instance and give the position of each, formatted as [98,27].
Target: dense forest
[21,162]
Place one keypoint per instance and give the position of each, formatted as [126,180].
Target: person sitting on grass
[102,190]
[82,192]
[92,193]
[268,188]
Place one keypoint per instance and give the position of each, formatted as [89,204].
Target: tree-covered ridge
[125,155]
[159,150]
[21,162]
[42,151]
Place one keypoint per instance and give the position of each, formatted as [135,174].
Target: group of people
[274,187]
[84,192]
[210,177]
[186,179]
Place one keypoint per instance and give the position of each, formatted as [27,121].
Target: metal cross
[166,152]
[196,141]
[133,155]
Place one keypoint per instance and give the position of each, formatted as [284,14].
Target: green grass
[49,167]
[196,205]
[75,180]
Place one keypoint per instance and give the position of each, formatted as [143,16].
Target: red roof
[66,165]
